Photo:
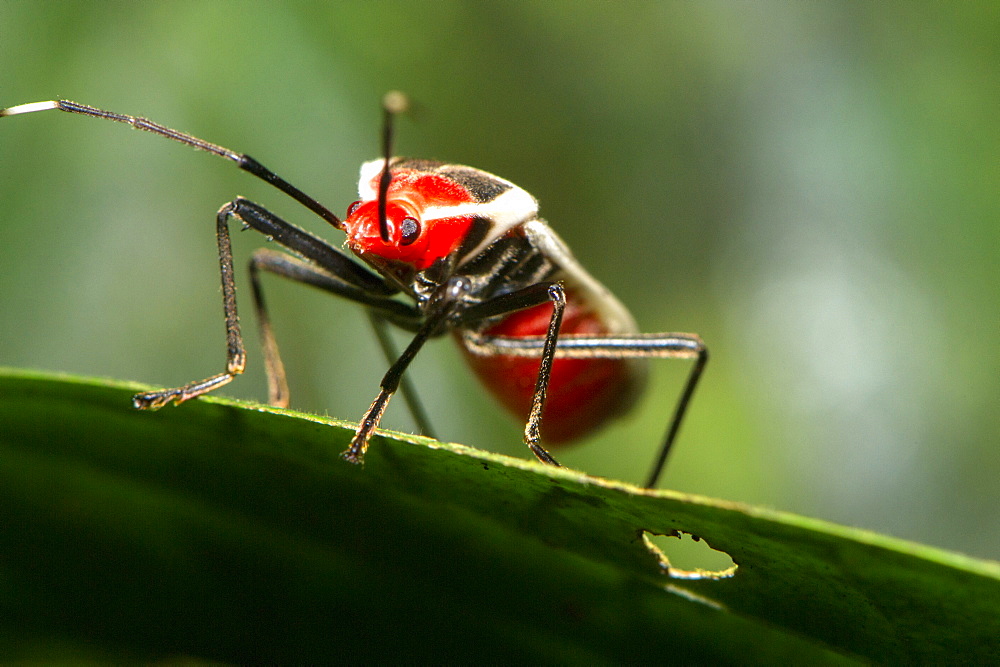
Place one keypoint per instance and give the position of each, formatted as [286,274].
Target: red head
[430,209]
[420,216]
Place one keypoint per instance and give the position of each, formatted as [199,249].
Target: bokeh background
[812,187]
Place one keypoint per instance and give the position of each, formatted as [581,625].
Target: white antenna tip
[395,102]
[28,108]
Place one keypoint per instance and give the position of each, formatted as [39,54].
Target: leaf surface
[227,531]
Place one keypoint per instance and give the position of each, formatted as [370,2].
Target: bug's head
[420,225]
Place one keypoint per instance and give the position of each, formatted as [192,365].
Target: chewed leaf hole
[686,556]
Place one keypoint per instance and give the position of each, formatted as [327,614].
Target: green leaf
[226,531]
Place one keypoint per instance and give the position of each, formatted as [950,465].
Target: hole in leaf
[686,556]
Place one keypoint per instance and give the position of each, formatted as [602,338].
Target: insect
[443,249]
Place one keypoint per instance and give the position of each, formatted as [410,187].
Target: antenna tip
[395,102]
[28,108]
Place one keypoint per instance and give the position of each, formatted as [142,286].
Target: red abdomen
[583,393]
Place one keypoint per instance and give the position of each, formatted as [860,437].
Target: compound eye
[409,230]
[352,208]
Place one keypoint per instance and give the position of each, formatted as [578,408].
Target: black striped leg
[633,346]
[272,261]
[235,351]
[446,310]
[381,311]
[546,347]
[337,274]
[697,347]
[532,437]
[443,305]
[380,327]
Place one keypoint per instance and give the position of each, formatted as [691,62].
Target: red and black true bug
[469,256]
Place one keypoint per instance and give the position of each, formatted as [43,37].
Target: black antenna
[243,161]
[393,102]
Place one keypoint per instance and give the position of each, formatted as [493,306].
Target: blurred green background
[812,187]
